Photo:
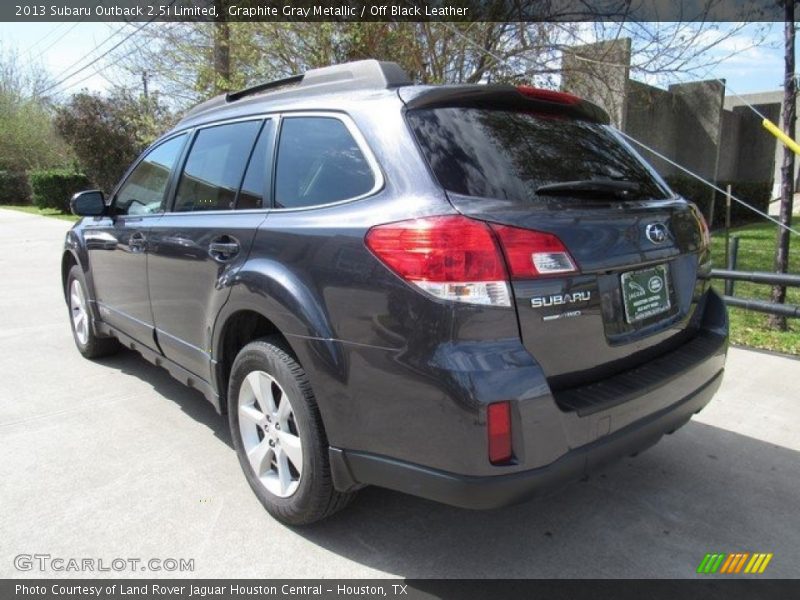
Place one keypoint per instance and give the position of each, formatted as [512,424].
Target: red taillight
[450,248]
[547,95]
[498,423]
[457,258]
[532,253]
[451,257]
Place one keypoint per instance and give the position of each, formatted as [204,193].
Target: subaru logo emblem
[656,233]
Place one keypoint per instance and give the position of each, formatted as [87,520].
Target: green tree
[107,133]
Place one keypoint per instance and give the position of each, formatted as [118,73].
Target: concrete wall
[650,117]
[760,159]
[752,156]
[698,125]
[694,124]
[683,123]
[729,146]
[601,73]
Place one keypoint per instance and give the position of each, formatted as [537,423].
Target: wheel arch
[75,254]
[287,305]
[238,328]
[68,260]
[241,322]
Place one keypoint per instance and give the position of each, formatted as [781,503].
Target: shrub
[108,133]
[14,187]
[756,193]
[52,188]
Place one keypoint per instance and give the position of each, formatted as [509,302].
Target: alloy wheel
[270,434]
[80,316]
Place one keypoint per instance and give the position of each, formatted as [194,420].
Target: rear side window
[215,167]
[507,155]
[319,162]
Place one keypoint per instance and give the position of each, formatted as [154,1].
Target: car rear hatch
[624,286]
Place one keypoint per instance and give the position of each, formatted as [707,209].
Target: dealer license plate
[645,292]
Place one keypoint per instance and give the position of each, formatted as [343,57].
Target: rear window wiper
[604,187]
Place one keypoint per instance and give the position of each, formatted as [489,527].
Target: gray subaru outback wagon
[470,293]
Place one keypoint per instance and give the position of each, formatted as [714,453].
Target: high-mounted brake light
[450,257]
[548,95]
[533,253]
[498,425]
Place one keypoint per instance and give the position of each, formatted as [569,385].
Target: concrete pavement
[115,459]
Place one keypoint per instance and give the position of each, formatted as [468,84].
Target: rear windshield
[507,155]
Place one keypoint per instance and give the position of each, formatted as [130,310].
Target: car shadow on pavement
[190,401]
[700,490]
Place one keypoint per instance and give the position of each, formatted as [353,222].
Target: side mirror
[91,203]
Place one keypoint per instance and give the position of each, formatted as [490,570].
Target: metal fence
[731,275]
[762,277]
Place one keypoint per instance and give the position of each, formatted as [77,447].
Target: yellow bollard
[787,141]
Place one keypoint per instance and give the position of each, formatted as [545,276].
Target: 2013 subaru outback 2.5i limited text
[468,293]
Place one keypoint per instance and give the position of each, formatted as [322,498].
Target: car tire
[278,435]
[89,344]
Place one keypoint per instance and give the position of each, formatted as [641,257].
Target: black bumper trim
[501,490]
[633,383]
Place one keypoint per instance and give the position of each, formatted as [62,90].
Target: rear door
[635,249]
[197,247]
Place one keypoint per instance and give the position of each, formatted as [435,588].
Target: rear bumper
[553,443]
[501,490]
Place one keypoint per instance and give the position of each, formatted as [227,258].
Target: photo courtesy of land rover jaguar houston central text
[469,293]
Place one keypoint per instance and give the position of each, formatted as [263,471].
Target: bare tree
[222,50]
[183,58]
[22,82]
[28,139]
[787,168]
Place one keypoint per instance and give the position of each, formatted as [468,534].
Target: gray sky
[60,45]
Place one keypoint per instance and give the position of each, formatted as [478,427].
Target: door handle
[137,242]
[224,248]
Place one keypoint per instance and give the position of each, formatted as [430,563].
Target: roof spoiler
[504,97]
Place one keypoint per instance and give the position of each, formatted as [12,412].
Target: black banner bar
[707,588]
[390,10]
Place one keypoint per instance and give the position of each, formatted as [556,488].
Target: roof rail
[362,74]
[358,75]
